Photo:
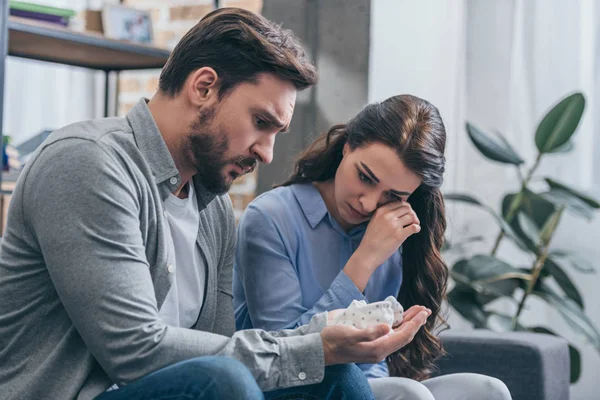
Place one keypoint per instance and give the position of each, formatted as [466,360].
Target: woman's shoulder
[277,204]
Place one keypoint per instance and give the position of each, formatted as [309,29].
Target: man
[95,259]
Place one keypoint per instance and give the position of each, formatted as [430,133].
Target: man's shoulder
[82,151]
[93,130]
[94,139]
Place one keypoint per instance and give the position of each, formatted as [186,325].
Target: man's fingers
[411,312]
[420,319]
[371,333]
[408,329]
[399,337]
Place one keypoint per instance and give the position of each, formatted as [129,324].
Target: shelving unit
[49,43]
[45,42]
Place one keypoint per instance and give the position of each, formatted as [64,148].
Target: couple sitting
[117,263]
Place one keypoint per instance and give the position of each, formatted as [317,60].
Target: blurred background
[499,65]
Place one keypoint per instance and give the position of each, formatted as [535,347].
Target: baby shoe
[361,314]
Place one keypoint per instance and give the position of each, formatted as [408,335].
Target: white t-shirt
[182,305]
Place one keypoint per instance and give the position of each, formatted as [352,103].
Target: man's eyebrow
[273,120]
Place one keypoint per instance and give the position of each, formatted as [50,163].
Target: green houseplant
[529,218]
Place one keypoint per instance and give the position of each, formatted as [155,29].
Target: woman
[361,218]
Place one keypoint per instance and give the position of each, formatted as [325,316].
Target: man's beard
[210,150]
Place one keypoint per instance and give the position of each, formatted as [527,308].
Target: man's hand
[346,344]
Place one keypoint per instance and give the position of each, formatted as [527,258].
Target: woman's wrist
[359,269]
[364,259]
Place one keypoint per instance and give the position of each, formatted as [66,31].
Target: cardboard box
[92,21]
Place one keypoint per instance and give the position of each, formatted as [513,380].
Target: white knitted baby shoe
[361,315]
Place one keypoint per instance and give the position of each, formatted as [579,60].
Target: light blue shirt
[289,260]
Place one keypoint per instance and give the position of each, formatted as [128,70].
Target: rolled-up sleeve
[270,280]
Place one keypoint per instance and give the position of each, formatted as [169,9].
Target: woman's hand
[390,226]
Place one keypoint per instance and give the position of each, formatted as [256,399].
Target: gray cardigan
[87,260]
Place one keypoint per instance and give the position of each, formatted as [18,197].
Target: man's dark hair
[238,45]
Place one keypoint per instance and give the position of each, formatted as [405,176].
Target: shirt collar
[311,202]
[314,209]
[154,149]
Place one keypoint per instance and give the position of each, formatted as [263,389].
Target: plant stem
[509,275]
[520,175]
[535,274]
[537,268]
[516,202]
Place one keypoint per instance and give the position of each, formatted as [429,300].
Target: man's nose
[263,151]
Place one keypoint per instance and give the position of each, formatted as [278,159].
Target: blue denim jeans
[201,378]
[341,382]
[212,378]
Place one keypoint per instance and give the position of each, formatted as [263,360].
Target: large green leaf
[507,144]
[573,204]
[489,276]
[574,354]
[571,312]
[464,301]
[565,148]
[563,280]
[557,127]
[508,230]
[586,198]
[538,208]
[492,148]
[575,361]
[549,227]
[464,198]
[529,227]
[483,267]
[460,245]
[535,207]
[485,293]
[502,321]
[575,259]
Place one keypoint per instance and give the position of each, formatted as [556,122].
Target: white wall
[425,59]
[501,64]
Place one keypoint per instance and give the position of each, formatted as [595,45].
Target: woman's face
[369,177]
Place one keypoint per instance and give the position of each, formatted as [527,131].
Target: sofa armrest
[534,366]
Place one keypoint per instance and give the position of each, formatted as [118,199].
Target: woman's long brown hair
[414,128]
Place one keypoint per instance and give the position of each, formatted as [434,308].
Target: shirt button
[171,268]
[302,376]
[165,213]
[173,180]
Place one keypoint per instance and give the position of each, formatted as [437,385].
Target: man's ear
[203,86]
[346,149]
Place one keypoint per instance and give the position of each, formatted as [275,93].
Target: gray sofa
[534,366]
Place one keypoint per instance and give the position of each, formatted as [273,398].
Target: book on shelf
[38,12]
[55,19]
